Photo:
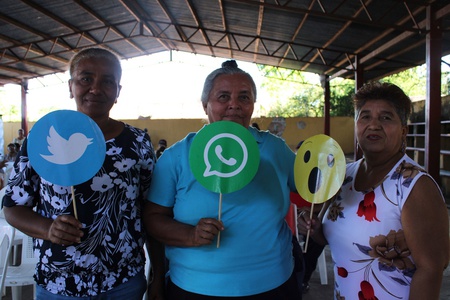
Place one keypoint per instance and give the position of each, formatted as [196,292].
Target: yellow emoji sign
[319,168]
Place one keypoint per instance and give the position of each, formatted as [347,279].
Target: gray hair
[229,67]
[95,53]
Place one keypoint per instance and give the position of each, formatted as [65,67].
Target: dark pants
[310,257]
[299,264]
[287,291]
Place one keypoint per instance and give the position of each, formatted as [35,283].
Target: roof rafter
[326,15]
[320,36]
[100,19]
[225,26]
[401,37]
[136,10]
[338,33]
[173,22]
[200,25]
[297,31]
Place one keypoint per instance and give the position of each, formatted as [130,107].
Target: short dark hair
[389,92]
[255,125]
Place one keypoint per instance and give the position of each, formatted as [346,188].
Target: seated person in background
[255,125]
[11,155]
[18,146]
[162,145]
[20,138]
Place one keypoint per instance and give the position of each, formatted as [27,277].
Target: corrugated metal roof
[38,37]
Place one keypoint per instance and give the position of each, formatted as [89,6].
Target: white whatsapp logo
[230,161]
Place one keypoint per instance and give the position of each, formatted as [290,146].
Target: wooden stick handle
[311,213]
[74,203]
[220,217]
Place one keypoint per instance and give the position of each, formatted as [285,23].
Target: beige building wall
[174,130]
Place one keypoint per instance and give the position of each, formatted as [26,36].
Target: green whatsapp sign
[224,157]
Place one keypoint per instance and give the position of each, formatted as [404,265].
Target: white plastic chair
[2,193]
[147,269]
[6,236]
[322,265]
[22,275]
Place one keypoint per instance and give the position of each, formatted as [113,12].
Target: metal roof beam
[18,71]
[102,20]
[39,50]
[179,30]
[258,28]
[200,25]
[439,14]
[380,49]
[31,30]
[330,16]
[54,17]
[135,10]
[297,31]
[225,26]
[337,34]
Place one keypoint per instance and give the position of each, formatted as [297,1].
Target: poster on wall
[277,126]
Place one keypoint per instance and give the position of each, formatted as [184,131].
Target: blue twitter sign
[66,147]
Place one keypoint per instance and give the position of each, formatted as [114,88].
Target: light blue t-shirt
[255,253]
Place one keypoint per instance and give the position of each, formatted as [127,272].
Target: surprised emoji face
[319,168]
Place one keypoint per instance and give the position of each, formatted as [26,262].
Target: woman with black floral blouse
[388,227]
[100,254]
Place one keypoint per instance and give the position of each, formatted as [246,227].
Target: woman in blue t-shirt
[254,260]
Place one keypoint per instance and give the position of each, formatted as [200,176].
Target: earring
[403,148]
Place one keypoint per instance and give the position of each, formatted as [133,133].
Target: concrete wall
[174,130]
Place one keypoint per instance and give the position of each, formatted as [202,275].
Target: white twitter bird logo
[65,151]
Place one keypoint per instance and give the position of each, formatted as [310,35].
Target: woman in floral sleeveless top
[387,227]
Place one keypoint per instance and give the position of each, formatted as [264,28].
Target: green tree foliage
[10,111]
[299,94]
[341,103]
[304,104]
[413,81]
